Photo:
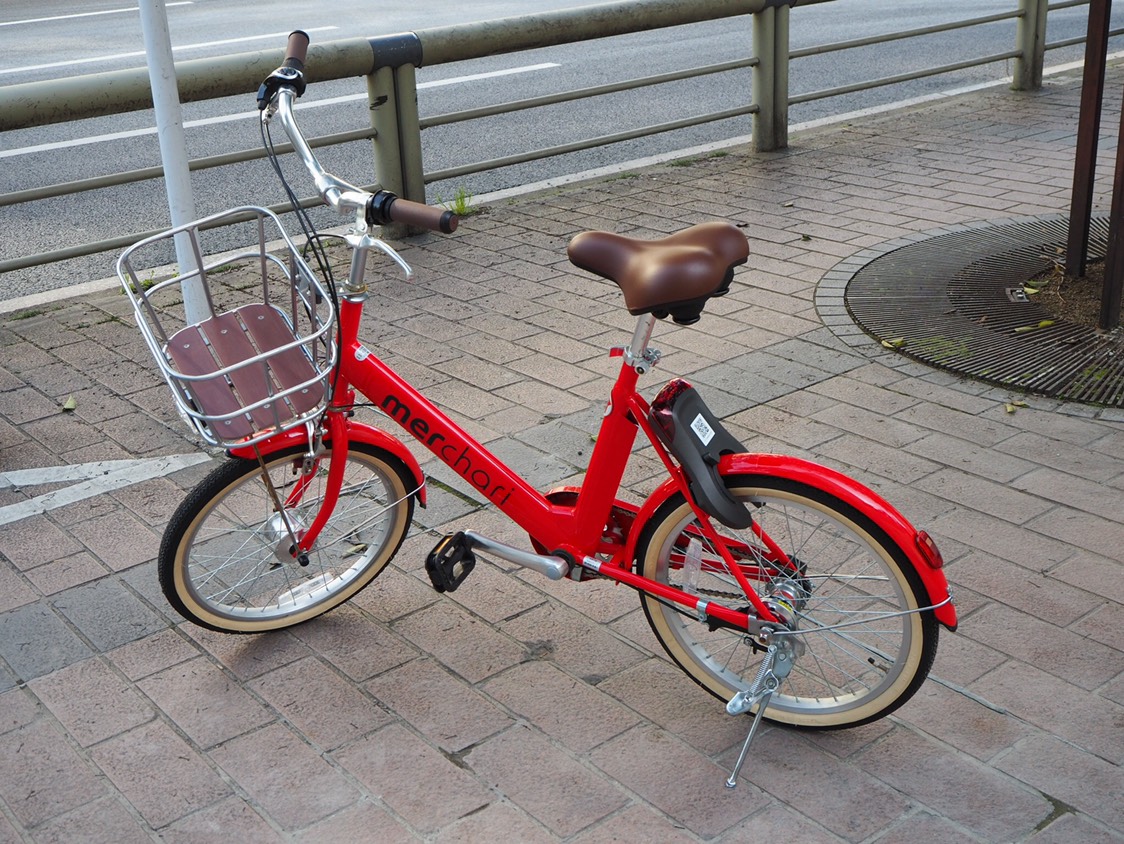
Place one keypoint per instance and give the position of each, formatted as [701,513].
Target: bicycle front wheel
[854,595]
[223,562]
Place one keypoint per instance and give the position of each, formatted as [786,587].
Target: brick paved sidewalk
[523,710]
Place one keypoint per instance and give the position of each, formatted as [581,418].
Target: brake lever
[283,77]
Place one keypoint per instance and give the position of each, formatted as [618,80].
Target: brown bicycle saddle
[674,275]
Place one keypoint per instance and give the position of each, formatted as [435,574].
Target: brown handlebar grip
[423,216]
[296,50]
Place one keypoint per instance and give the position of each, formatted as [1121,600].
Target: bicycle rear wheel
[853,592]
[223,562]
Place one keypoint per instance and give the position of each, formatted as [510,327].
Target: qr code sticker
[702,430]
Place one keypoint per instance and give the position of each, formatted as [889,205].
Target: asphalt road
[59,38]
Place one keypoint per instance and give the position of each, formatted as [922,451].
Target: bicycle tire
[217,563]
[850,573]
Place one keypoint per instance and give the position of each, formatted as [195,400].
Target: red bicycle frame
[574,531]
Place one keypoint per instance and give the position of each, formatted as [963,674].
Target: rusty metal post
[1114,260]
[1088,130]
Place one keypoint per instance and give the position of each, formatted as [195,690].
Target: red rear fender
[847,490]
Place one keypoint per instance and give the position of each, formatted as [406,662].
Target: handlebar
[275,97]
[296,50]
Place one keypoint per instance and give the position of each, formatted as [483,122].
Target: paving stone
[1088,721]
[1030,591]
[205,702]
[821,786]
[285,777]
[185,783]
[513,763]
[574,714]
[963,722]
[34,541]
[678,780]
[668,698]
[34,641]
[63,574]
[976,797]
[996,499]
[248,656]
[121,542]
[465,644]
[232,819]
[926,827]
[1105,625]
[91,701]
[355,644]
[1071,829]
[599,599]
[444,709]
[14,591]
[776,823]
[107,613]
[1070,775]
[439,790]
[146,656]
[1079,661]
[1076,492]
[1060,455]
[41,776]
[18,708]
[497,821]
[567,639]
[104,821]
[360,822]
[328,710]
[1083,530]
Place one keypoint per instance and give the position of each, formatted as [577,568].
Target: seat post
[637,354]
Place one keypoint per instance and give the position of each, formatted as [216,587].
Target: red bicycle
[775,583]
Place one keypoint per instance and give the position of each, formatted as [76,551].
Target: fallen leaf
[896,343]
[70,404]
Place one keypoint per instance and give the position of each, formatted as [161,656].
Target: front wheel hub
[281,532]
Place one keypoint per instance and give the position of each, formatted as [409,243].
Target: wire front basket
[244,368]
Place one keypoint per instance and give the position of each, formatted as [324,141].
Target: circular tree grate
[954,300]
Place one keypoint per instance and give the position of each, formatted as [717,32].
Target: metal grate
[954,301]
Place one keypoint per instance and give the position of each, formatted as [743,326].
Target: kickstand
[759,695]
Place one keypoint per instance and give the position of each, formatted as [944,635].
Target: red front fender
[357,432]
[847,490]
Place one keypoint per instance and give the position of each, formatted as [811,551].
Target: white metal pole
[173,145]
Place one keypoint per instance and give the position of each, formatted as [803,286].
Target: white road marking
[89,14]
[229,118]
[203,45]
[95,479]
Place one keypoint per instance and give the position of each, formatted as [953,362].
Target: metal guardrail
[388,64]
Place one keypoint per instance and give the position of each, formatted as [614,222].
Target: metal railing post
[780,76]
[770,78]
[763,89]
[409,133]
[1030,41]
[382,99]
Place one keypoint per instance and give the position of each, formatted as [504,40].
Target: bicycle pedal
[450,562]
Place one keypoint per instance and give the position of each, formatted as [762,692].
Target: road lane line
[98,479]
[90,14]
[140,54]
[229,118]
